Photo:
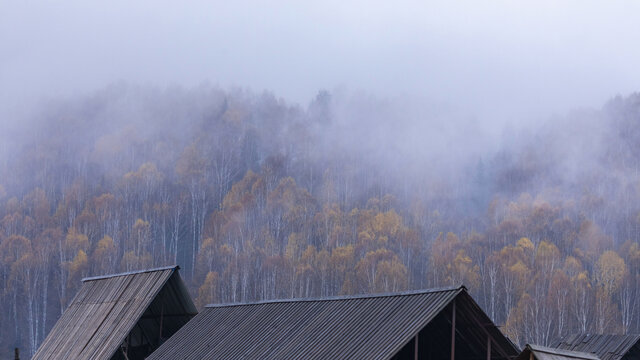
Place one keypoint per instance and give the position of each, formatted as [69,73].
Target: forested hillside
[256,198]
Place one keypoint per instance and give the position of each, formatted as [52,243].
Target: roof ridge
[345,297]
[108,276]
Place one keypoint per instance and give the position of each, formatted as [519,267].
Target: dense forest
[256,198]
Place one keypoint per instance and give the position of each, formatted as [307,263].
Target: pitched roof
[106,309]
[358,327]
[546,353]
[607,347]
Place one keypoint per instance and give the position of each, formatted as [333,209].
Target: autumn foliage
[254,201]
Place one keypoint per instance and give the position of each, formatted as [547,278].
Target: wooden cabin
[432,324]
[121,316]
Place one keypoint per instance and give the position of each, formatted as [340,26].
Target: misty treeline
[258,199]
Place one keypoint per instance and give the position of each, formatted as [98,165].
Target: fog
[291,149]
[502,61]
[419,91]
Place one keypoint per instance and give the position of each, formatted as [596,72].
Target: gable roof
[607,347]
[107,308]
[546,353]
[357,327]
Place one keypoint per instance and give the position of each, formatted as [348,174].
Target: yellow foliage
[294,246]
[365,237]
[517,318]
[606,313]
[462,259]
[149,169]
[572,266]
[208,245]
[77,269]
[452,239]
[309,255]
[583,277]
[391,276]
[388,223]
[104,255]
[208,291]
[381,270]
[104,244]
[348,287]
[634,255]
[463,271]
[79,263]
[140,224]
[525,244]
[190,165]
[547,249]
[547,255]
[130,261]
[521,271]
[610,271]
[76,240]
[242,190]
[13,248]
[342,258]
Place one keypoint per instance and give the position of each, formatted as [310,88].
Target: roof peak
[345,297]
[101,277]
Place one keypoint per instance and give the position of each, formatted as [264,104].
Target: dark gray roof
[106,309]
[546,353]
[360,327]
[607,347]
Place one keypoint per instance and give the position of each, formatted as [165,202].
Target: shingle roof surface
[607,347]
[102,314]
[365,327]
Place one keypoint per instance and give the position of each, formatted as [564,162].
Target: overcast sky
[488,57]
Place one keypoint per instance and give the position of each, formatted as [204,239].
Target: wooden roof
[607,347]
[108,310]
[360,327]
[546,353]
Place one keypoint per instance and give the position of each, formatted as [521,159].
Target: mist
[288,149]
[503,61]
